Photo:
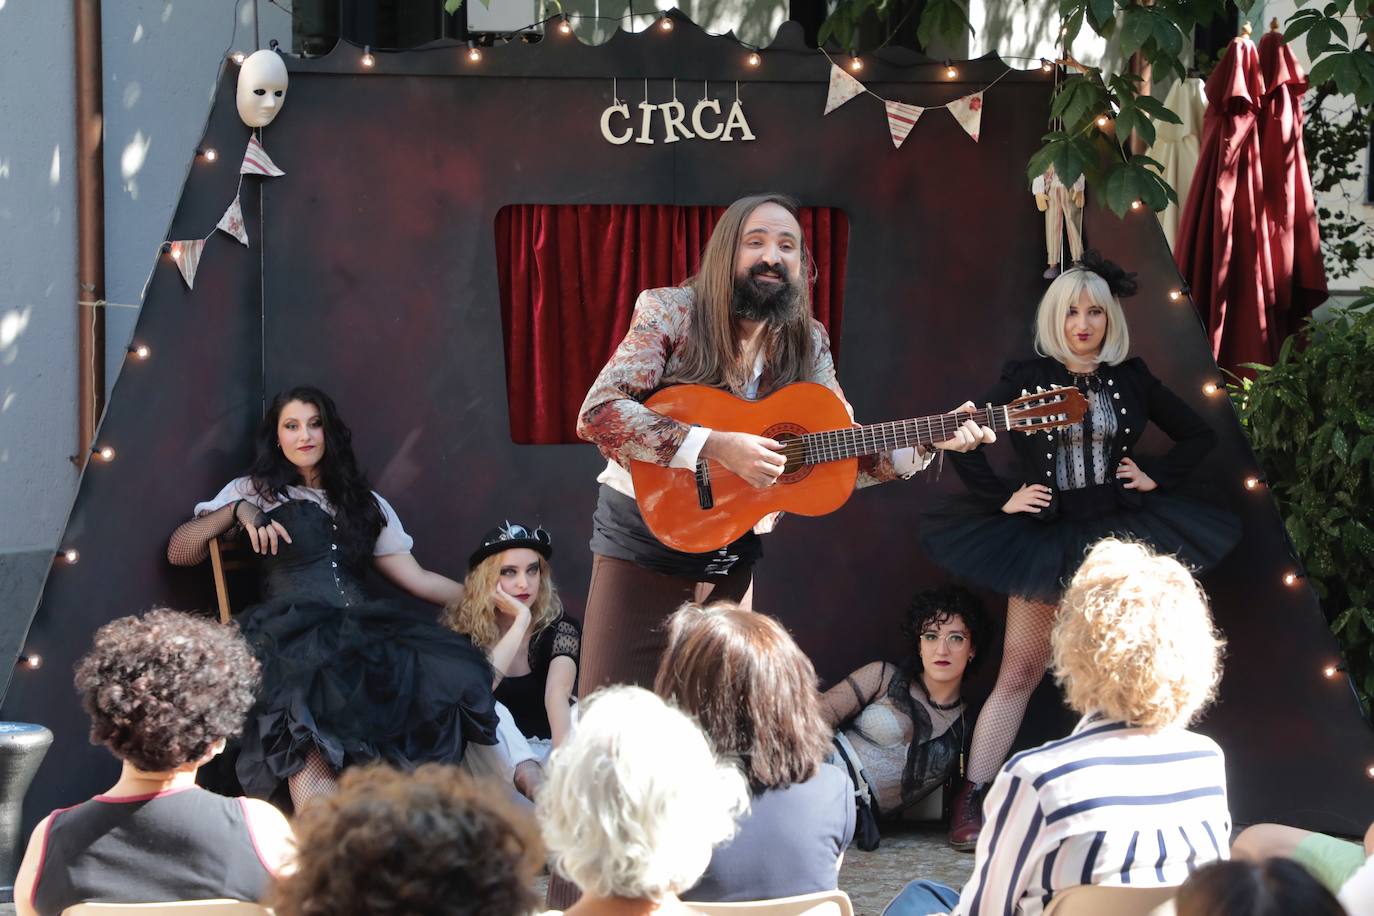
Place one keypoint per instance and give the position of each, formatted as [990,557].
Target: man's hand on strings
[758,459]
[969,435]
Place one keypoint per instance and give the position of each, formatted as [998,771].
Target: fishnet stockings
[1025,653]
[314,780]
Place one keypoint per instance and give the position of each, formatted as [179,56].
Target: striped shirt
[1111,804]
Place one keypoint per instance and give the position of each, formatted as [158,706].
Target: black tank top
[187,844]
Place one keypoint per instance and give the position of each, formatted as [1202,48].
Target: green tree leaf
[1137,27]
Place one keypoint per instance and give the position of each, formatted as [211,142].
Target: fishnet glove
[190,543]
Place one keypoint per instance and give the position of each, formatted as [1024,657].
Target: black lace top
[524,695]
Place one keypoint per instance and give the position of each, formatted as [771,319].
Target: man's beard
[756,300]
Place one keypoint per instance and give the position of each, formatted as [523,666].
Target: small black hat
[509,536]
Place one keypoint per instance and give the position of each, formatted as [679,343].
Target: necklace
[944,707]
[1085,381]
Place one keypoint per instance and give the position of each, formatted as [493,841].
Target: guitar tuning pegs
[1024,392]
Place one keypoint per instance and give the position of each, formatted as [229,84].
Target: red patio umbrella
[1223,240]
[1295,246]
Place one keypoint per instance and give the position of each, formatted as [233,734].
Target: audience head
[433,841]
[1274,887]
[946,612]
[635,800]
[166,689]
[750,687]
[1134,639]
[514,559]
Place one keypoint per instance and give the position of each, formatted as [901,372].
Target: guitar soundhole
[789,434]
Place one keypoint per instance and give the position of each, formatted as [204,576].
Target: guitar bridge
[705,498]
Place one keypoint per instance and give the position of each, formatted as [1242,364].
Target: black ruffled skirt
[1022,555]
[360,684]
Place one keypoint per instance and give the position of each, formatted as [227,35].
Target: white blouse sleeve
[393,538]
[236,489]
[1357,894]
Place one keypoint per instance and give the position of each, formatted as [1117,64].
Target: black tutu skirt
[1022,555]
[359,684]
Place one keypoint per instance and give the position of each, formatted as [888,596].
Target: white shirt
[1110,805]
[392,538]
[1357,893]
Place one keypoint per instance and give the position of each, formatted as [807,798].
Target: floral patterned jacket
[614,418]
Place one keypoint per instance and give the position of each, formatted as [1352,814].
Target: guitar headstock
[1048,409]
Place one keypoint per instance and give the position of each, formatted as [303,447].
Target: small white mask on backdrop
[262,88]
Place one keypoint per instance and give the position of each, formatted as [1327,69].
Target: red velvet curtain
[569,278]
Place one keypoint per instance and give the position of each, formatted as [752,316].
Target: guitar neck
[858,441]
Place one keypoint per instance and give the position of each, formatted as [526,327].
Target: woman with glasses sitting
[346,678]
[511,609]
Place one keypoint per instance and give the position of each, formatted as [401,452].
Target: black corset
[312,568]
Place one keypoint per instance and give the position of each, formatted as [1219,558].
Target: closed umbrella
[1223,246]
[1176,147]
[1295,246]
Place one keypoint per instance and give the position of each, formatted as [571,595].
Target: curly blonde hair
[1134,638]
[475,617]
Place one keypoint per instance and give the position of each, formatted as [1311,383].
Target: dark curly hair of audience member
[1274,887]
[434,841]
[163,687]
[934,607]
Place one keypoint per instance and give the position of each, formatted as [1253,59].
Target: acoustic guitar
[704,509]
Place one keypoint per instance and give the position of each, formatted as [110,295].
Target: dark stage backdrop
[372,273]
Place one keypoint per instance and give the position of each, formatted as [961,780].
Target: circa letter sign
[705,122]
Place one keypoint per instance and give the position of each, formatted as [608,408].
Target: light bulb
[951,73]
[210,154]
[31,661]
[1331,670]
[1101,120]
[1252,483]
[1210,388]
[72,556]
[176,251]
[474,54]
[238,57]
[665,24]
[1370,772]
[1175,295]
[142,351]
[1136,205]
[1290,579]
[106,453]
[856,64]
[367,59]
[753,59]
[565,27]
[1046,65]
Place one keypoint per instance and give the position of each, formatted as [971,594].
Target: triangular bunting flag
[900,119]
[232,222]
[843,87]
[257,162]
[968,111]
[187,255]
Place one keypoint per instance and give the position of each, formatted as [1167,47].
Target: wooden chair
[821,903]
[1092,900]
[179,908]
[226,556]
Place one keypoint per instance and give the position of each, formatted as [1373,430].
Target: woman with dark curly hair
[164,692]
[904,724]
[1025,536]
[1273,887]
[433,841]
[346,679]
[753,691]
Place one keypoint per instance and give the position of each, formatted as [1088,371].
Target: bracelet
[234,517]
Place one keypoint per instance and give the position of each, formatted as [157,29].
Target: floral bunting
[232,222]
[843,87]
[968,111]
[186,253]
[900,119]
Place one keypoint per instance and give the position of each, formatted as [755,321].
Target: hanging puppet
[1063,209]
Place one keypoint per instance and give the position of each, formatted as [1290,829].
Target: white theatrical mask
[262,88]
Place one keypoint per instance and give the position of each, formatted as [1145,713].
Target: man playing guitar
[743,324]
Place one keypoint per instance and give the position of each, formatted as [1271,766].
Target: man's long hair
[711,355]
